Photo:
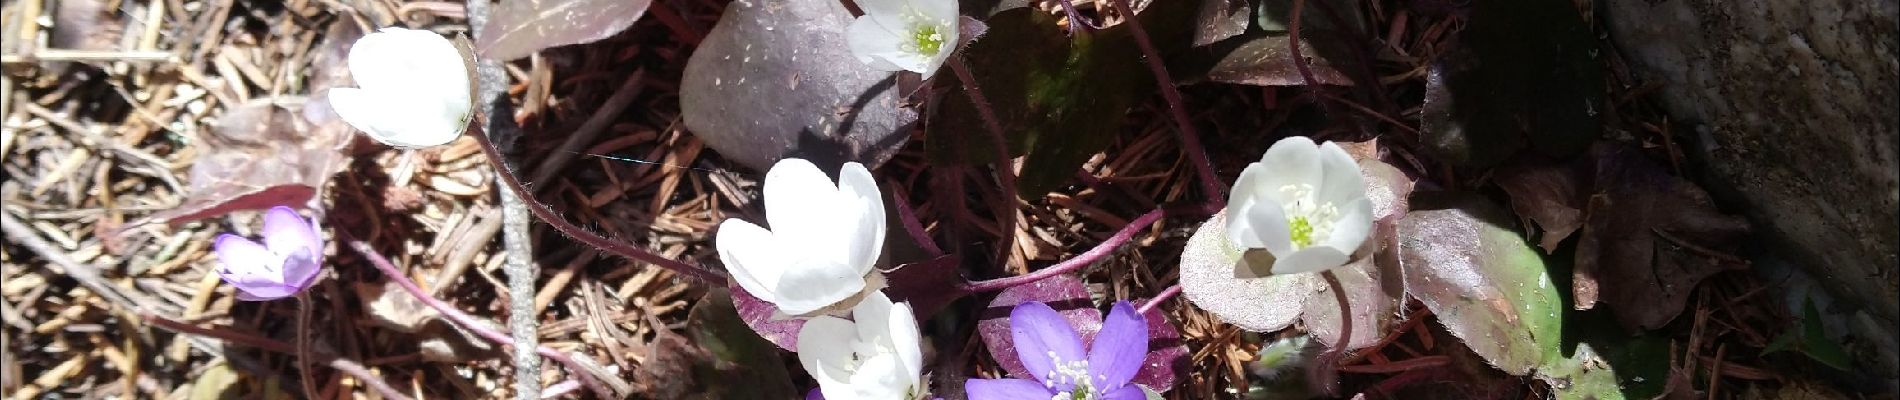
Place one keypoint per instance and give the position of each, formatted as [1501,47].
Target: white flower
[877,356]
[825,238]
[914,35]
[1304,203]
[413,89]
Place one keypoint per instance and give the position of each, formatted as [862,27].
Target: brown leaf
[86,25]
[258,155]
[520,28]
[438,340]
[1550,195]
[1648,238]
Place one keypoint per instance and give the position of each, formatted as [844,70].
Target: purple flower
[286,263]
[1051,350]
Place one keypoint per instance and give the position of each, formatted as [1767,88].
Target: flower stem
[546,214]
[467,321]
[1005,167]
[1324,375]
[1158,299]
[1081,260]
[303,346]
[1190,142]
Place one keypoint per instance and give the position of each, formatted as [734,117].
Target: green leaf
[1584,375]
[1488,287]
[1815,342]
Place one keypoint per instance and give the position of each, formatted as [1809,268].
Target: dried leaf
[520,28]
[392,308]
[214,383]
[1483,282]
[1221,19]
[1550,195]
[1626,256]
[260,154]
[86,25]
[775,80]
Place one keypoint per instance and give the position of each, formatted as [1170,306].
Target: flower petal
[301,268]
[797,199]
[1352,228]
[1006,389]
[1128,392]
[414,88]
[1291,161]
[1119,348]
[753,257]
[878,40]
[867,235]
[883,7]
[908,342]
[1268,222]
[941,11]
[811,285]
[1342,183]
[393,118]
[1310,259]
[1244,195]
[248,265]
[815,394]
[286,232]
[1043,339]
[880,377]
[824,349]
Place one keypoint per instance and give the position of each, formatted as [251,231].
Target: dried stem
[1190,142]
[1080,260]
[469,322]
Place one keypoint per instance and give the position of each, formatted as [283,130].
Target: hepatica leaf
[520,28]
[737,353]
[1631,254]
[1483,281]
[260,154]
[1264,57]
[765,319]
[1066,294]
[775,79]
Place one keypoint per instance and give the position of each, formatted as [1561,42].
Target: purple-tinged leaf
[765,319]
[1066,294]
[1211,270]
[1485,284]
[1372,295]
[928,285]
[1167,353]
[1221,19]
[774,79]
[520,28]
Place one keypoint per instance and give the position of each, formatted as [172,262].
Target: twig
[1190,141]
[1080,260]
[466,321]
[491,94]
[49,55]
[1158,299]
[1076,22]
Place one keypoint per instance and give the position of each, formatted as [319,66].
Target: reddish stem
[1190,142]
[1005,167]
[468,321]
[909,218]
[1159,297]
[546,214]
[1081,260]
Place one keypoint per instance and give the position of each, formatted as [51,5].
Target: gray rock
[1795,104]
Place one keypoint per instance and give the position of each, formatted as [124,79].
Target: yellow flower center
[1308,221]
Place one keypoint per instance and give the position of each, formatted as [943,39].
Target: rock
[1794,104]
